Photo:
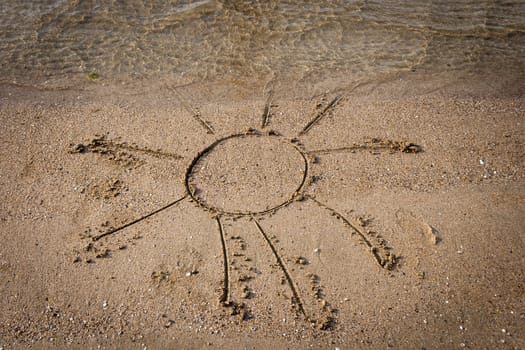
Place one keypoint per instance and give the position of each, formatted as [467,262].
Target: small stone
[300,260]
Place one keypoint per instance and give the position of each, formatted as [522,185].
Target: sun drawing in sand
[287,159]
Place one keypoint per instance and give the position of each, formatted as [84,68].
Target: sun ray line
[225,297]
[145,150]
[194,113]
[144,217]
[372,248]
[321,114]
[102,146]
[374,145]
[296,298]
[267,111]
[153,153]
[197,116]
[346,149]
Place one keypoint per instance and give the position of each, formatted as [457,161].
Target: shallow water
[57,42]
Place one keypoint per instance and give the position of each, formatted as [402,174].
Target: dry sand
[225,216]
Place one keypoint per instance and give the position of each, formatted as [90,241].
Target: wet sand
[230,215]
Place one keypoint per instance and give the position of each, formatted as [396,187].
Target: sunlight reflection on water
[57,41]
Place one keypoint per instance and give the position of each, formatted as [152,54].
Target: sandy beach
[230,215]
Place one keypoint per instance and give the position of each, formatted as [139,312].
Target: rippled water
[52,42]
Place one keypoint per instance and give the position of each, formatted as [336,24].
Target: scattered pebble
[300,260]
[105,304]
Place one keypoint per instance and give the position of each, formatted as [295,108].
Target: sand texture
[233,216]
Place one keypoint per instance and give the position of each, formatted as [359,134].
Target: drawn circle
[247,174]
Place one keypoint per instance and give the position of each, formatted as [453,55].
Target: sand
[224,215]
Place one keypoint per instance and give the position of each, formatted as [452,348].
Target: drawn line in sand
[267,111]
[193,191]
[104,146]
[115,230]
[380,252]
[320,115]
[225,297]
[195,113]
[374,144]
[296,301]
